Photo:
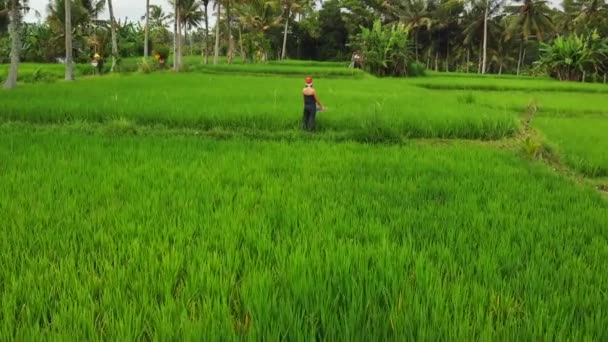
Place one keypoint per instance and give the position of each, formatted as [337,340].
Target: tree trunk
[243,57]
[416,42]
[178,38]
[521,48]
[147,31]
[113,34]
[500,69]
[604,78]
[479,58]
[523,57]
[180,41]
[436,60]
[217,33]
[191,42]
[206,32]
[69,67]
[175,37]
[284,51]
[230,38]
[15,32]
[447,59]
[468,59]
[485,38]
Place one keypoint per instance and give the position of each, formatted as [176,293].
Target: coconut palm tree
[14,8]
[69,68]
[147,30]
[216,55]
[257,17]
[158,17]
[415,14]
[593,15]
[113,34]
[206,49]
[191,16]
[289,7]
[478,22]
[530,19]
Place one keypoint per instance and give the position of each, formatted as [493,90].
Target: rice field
[363,109]
[191,206]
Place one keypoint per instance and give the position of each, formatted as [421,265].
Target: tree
[114,39]
[289,7]
[69,68]
[334,35]
[15,33]
[217,32]
[414,14]
[190,16]
[479,23]
[385,49]
[147,30]
[531,18]
[206,49]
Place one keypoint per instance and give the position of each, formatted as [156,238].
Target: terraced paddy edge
[49,73]
[372,108]
[581,142]
[146,237]
[492,83]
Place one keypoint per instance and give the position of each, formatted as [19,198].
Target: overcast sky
[133,9]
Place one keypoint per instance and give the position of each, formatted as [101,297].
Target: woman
[310,105]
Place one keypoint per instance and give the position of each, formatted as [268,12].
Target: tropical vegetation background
[566,41]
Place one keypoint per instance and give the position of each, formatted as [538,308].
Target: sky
[132,9]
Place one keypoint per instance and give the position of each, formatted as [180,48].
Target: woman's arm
[317,99]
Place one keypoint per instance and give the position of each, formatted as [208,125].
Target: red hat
[308,80]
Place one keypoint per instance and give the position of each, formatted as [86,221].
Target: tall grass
[582,141]
[368,109]
[492,83]
[182,238]
[48,72]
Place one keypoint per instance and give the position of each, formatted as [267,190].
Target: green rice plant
[388,107]
[449,81]
[172,237]
[581,141]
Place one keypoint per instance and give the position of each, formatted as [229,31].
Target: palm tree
[69,68]
[485,37]
[290,7]
[414,14]
[217,32]
[15,32]
[227,7]
[206,5]
[593,14]
[113,33]
[190,16]
[158,17]
[529,19]
[177,37]
[479,23]
[257,17]
[147,30]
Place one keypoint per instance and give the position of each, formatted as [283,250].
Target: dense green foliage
[446,35]
[385,50]
[575,57]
